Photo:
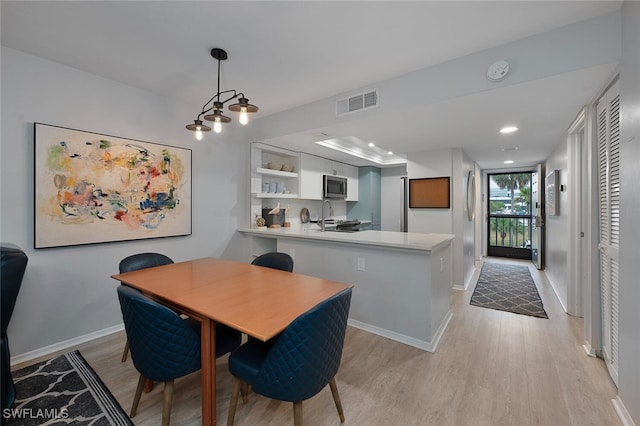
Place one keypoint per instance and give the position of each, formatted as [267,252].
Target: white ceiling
[283,55]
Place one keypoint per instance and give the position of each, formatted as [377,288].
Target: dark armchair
[163,346]
[14,263]
[298,363]
[275,260]
[136,262]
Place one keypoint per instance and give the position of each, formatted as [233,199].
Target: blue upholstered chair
[141,261]
[163,346]
[298,363]
[14,263]
[275,260]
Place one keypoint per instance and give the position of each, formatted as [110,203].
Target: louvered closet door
[608,111]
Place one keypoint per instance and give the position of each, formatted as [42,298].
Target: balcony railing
[510,231]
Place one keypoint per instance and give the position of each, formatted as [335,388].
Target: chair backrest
[14,263]
[143,261]
[306,356]
[163,346]
[275,260]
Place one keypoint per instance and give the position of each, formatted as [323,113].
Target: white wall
[556,231]
[456,164]
[629,350]
[462,226]
[67,292]
[424,165]
[392,197]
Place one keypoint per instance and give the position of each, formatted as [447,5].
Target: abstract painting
[93,188]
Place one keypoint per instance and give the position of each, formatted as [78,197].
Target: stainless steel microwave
[334,187]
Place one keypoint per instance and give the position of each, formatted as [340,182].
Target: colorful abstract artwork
[92,188]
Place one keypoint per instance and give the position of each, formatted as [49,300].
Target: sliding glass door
[509,225]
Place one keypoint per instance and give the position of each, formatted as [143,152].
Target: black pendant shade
[197,125]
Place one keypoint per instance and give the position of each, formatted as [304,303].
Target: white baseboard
[555,291]
[622,412]
[589,350]
[472,278]
[67,344]
[407,340]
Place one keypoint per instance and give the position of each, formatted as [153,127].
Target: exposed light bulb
[509,129]
[244,116]
[217,125]
[199,133]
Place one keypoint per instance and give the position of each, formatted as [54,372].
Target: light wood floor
[490,368]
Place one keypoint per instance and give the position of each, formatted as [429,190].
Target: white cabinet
[311,170]
[351,173]
[333,168]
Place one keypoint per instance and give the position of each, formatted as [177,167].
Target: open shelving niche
[261,155]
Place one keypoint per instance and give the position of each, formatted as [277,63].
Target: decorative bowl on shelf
[274,166]
[287,168]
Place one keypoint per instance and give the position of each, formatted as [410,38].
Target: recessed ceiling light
[371,144]
[508,162]
[390,152]
[508,129]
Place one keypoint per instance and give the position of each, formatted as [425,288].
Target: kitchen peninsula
[402,280]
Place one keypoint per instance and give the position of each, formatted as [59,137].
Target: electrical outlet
[361,264]
[292,253]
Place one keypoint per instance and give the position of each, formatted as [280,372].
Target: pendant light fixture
[214,112]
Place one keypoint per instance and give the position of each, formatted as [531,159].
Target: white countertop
[398,240]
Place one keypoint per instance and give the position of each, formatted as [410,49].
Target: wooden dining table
[255,300]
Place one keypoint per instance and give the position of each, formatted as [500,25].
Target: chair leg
[234,401]
[245,389]
[297,413]
[126,351]
[166,405]
[136,398]
[336,398]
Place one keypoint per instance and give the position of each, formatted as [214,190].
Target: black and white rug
[508,288]
[63,390]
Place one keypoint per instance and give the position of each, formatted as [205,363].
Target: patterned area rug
[508,288]
[63,390]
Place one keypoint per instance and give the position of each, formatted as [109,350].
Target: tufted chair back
[275,260]
[163,346]
[306,356]
[14,263]
[298,363]
[143,261]
[134,263]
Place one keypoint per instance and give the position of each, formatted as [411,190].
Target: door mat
[508,288]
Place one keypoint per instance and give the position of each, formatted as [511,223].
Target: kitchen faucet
[330,213]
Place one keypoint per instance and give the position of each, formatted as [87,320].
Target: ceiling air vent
[356,103]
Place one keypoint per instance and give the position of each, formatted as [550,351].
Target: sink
[347,231]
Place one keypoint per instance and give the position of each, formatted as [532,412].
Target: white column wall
[629,347]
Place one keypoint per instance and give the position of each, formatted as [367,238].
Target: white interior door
[608,112]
